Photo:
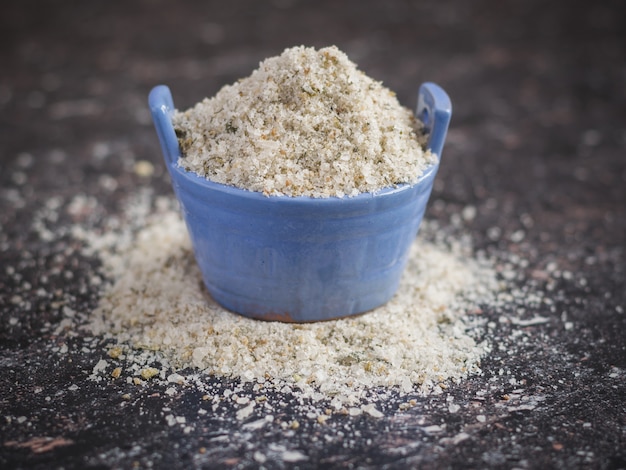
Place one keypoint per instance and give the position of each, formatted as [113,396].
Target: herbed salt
[156,302]
[305,123]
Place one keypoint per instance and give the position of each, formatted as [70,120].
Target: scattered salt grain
[149,372]
[176,378]
[293,456]
[246,411]
[144,169]
[259,457]
[494,233]
[460,437]
[371,410]
[305,123]
[100,366]
[517,236]
[469,213]
[536,320]
[255,425]
[242,400]
[433,429]
[453,407]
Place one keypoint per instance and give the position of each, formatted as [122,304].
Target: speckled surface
[536,145]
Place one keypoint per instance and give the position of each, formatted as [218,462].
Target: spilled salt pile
[155,301]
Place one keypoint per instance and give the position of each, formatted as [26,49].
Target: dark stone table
[537,146]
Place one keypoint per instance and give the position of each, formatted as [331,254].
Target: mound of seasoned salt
[305,123]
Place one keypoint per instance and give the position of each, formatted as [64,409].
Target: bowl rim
[434,109]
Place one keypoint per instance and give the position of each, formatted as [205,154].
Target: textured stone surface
[537,146]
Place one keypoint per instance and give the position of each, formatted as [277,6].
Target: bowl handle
[162,108]
[434,109]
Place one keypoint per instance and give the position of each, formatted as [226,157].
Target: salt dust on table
[154,302]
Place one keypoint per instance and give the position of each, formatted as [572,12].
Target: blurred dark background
[537,146]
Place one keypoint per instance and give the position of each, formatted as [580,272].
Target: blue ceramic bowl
[301,259]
